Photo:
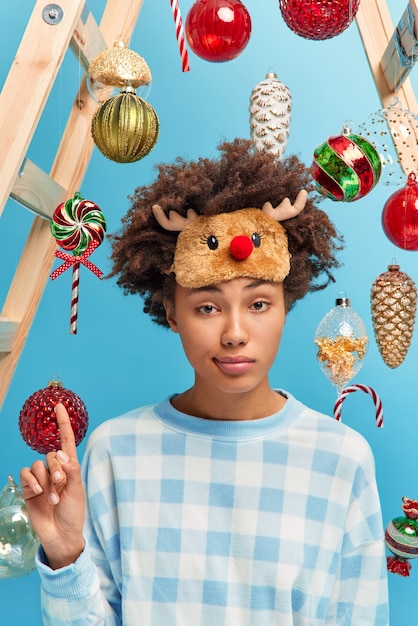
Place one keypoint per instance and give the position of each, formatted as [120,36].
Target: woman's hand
[54,496]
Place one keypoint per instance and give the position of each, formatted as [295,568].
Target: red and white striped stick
[377,402]
[180,36]
[74,298]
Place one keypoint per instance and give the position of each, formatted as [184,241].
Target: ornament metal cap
[342,301]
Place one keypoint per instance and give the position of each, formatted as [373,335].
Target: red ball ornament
[400,216]
[318,19]
[37,421]
[218,30]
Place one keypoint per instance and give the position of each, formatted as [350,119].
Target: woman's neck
[214,404]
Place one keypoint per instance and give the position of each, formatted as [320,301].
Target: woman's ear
[170,315]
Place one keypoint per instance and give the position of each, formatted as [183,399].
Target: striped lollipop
[78,225]
[346,167]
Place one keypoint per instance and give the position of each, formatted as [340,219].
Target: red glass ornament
[218,30]
[37,421]
[318,19]
[400,216]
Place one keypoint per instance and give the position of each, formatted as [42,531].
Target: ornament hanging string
[357,387]
[180,36]
[74,262]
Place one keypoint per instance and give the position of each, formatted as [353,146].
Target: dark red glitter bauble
[37,421]
[318,19]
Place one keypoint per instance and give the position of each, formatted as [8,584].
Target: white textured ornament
[270,115]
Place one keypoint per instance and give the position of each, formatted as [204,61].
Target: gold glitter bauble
[393,301]
[125,128]
[119,67]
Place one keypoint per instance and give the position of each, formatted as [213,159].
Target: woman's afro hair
[142,252]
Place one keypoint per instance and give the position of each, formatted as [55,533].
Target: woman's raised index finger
[66,431]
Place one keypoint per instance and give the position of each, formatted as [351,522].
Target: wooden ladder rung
[8,331]
[36,190]
[87,40]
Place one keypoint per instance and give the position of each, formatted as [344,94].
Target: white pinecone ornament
[393,303]
[270,115]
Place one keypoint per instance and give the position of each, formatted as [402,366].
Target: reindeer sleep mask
[214,248]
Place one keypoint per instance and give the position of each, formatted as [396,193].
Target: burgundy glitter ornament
[400,216]
[38,423]
[218,30]
[318,19]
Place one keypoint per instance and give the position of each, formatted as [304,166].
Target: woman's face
[230,332]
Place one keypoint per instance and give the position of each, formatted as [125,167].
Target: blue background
[119,359]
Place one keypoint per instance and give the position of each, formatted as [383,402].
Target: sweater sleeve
[360,594]
[72,595]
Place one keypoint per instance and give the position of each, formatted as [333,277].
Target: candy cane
[74,298]
[370,391]
[180,36]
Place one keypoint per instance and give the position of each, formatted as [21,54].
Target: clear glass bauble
[18,540]
[342,341]
[390,127]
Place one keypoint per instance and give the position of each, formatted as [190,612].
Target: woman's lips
[234,365]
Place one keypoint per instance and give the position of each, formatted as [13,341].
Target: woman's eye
[206,309]
[260,305]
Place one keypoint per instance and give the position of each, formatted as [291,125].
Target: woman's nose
[235,333]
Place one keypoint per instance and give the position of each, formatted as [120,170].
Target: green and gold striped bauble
[125,128]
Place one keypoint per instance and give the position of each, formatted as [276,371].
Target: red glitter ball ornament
[37,421]
[400,216]
[218,30]
[318,19]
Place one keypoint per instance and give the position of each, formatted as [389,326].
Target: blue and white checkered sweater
[196,522]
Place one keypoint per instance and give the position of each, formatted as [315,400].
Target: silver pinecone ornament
[393,301]
[270,115]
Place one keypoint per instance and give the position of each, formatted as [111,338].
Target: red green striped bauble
[346,167]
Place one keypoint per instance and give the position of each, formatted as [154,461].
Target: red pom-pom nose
[241,247]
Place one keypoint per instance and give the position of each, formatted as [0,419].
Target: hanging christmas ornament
[37,420]
[270,115]
[218,30]
[318,19]
[401,538]
[346,167]
[18,540]
[393,131]
[342,343]
[78,225]
[351,389]
[400,218]
[117,67]
[393,303]
[125,127]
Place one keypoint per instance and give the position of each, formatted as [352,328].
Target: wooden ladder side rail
[28,85]
[68,170]
[376,29]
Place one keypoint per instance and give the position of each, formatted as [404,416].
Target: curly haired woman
[231,502]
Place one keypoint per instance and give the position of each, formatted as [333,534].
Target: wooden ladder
[51,30]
